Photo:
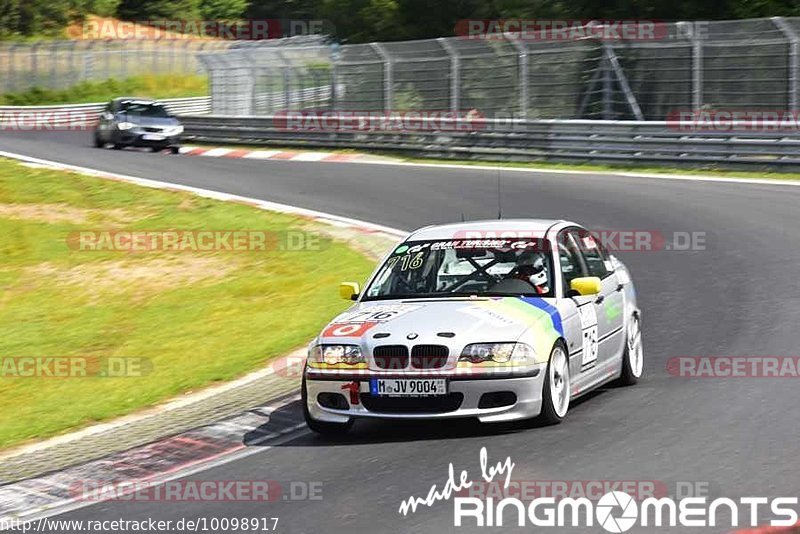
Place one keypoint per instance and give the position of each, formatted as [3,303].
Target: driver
[533,269]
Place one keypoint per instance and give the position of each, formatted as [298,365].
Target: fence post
[12,62]
[108,50]
[697,74]
[608,88]
[287,91]
[522,56]
[54,60]
[791,35]
[613,61]
[388,76]
[455,73]
[35,63]
[334,76]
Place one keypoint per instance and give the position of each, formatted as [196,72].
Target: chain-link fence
[62,64]
[749,64]
[264,77]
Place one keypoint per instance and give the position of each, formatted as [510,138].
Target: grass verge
[150,86]
[184,319]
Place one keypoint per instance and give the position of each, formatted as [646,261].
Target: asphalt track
[740,296]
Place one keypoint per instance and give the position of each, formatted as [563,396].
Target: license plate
[407,387]
[153,137]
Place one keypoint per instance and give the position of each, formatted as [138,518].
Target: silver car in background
[138,122]
[495,320]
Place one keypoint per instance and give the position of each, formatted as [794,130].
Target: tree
[159,9]
[223,9]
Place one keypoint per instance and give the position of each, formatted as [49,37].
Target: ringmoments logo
[605,511]
[615,511]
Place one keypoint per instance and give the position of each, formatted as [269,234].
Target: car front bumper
[138,139]
[462,401]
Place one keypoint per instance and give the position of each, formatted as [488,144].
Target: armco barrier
[642,142]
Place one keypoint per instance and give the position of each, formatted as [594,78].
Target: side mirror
[586,286]
[349,290]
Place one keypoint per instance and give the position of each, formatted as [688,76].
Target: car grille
[442,404]
[429,356]
[152,129]
[391,356]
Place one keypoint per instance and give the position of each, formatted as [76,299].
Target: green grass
[150,86]
[194,317]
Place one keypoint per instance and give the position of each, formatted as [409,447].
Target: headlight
[126,125]
[336,354]
[175,130]
[503,353]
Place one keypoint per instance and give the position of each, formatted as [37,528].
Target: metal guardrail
[640,142]
[80,114]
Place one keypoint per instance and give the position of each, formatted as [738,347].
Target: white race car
[494,320]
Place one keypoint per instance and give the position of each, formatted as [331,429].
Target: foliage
[164,86]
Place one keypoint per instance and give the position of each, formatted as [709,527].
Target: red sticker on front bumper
[347,329]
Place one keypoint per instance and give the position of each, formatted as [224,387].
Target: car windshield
[146,110]
[453,268]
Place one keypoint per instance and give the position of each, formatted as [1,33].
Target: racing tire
[98,143]
[321,427]
[117,146]
[557,387]
[632,354]
[175,149]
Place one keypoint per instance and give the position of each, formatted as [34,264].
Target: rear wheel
[175,149]
[632,355]
[556,391]
[97,142]
[322,427]
[117,146]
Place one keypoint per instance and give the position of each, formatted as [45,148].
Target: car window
[465,267]
[593,255]
[569,259]
[146,110]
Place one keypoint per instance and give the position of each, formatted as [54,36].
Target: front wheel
[632,355]
[556,390]
[322,427]
[97,142]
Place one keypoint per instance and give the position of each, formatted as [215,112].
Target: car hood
[454,322]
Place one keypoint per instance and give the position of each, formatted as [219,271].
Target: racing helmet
[533,268]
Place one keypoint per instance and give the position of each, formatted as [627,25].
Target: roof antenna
[499,198]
